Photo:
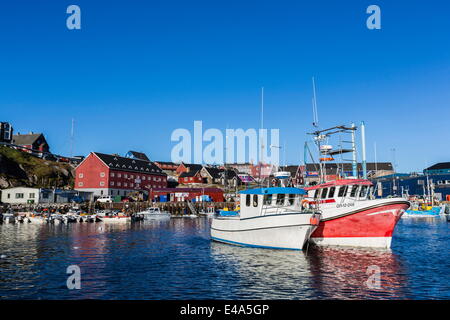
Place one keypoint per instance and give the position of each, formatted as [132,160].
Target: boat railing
[278,208]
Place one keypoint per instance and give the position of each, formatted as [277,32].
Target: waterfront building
[414,185]
[34,143]
[184,194]
[105,174]
[26,195]
[438,168]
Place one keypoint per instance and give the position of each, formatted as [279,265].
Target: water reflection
[343,273]
[176,260]
[286,272]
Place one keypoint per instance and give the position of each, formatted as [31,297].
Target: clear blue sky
[137,70]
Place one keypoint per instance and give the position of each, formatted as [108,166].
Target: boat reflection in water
[319,273]
[253,273]
[348,273]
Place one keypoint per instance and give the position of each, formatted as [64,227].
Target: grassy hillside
[21,169]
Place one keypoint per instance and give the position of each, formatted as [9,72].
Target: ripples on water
[177,260]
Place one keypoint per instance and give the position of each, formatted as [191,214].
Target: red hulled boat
[352,216]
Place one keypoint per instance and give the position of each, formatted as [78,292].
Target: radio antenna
[314,105]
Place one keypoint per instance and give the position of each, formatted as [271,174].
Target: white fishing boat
[113,217]
[268,218]
[154,213]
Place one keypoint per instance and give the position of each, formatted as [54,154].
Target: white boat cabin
[265,201]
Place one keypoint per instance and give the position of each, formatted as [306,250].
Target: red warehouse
[105,174]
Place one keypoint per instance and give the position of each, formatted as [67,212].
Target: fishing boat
[352,216]
[268,218]
[154,213]
[424,210]
[110,217]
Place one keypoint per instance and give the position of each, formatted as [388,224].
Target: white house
[22,195]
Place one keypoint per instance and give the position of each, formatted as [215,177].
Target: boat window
[267,199]
[247,200]
[291,199]
[353,192]
[324,193]
[255,200]
[331,192]
[342,191]
[280,199]
[363,192]
[316,194]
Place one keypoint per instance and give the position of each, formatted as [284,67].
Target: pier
[178,208]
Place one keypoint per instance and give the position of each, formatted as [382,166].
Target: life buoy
[305,204]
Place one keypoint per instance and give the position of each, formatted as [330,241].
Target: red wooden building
[105,174]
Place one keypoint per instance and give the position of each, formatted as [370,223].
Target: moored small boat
[154,213]
[423,210]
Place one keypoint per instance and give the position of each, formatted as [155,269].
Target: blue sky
[137,70]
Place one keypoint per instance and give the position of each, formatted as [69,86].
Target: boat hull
[115,219]
[434,212]
[149,217]
[283,231]
[370,224]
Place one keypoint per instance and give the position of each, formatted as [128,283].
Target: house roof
[167,163]
[439,166]
[26,139]
[115,162]
[193,166]
[230,174]
[138,155]
[188,174]
[215,173]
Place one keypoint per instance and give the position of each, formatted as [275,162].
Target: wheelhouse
[271,200]
[352,189]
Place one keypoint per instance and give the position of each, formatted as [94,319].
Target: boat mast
[318,137]
[363,145]
[262,141]
[354,163]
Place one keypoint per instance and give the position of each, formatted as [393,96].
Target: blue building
[438,168]
[396,184]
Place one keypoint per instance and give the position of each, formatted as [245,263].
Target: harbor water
[176,260]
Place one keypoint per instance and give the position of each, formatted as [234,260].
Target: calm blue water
[176,260]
